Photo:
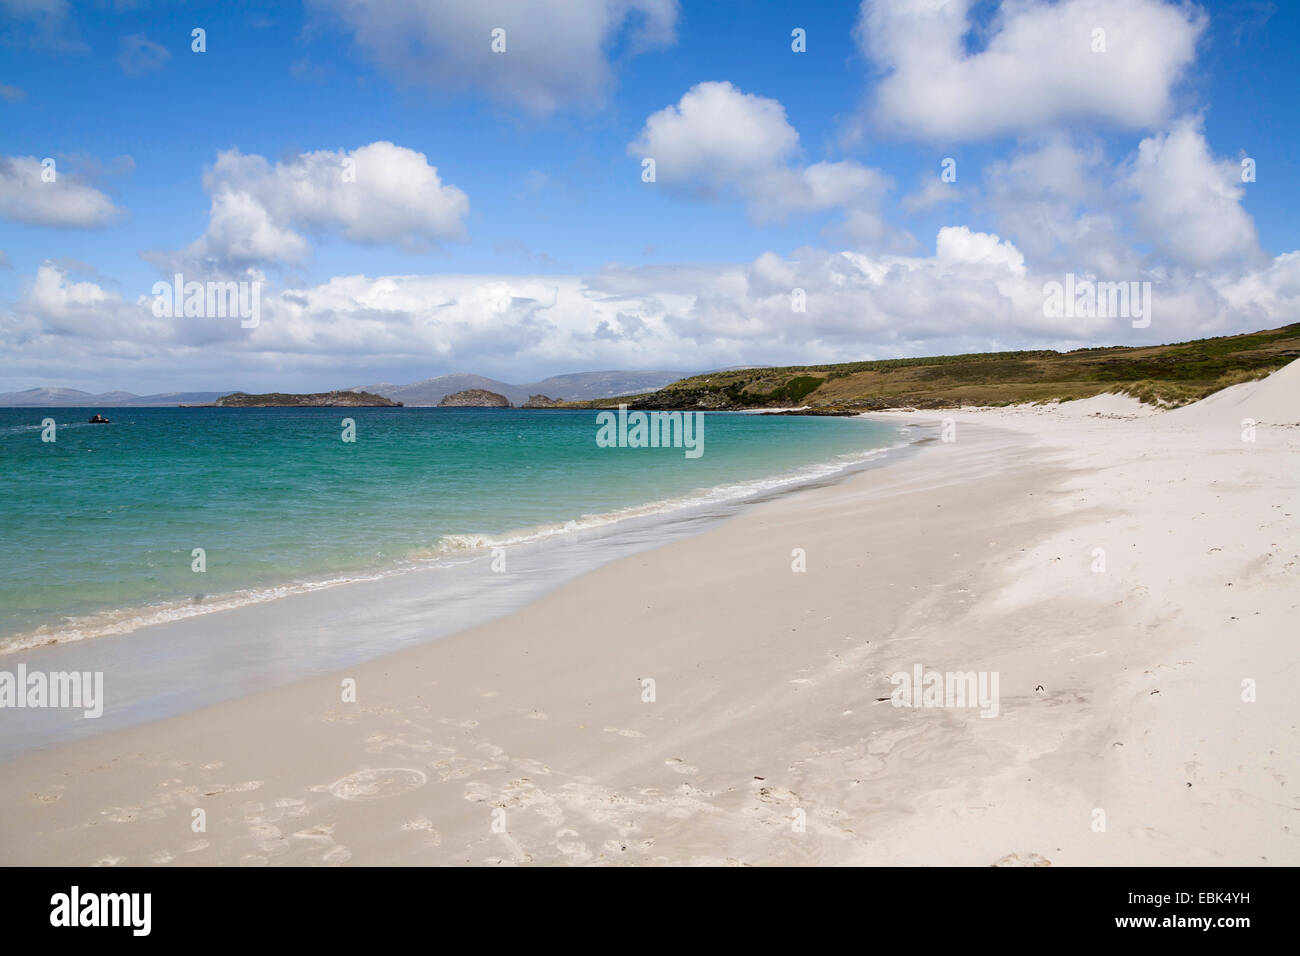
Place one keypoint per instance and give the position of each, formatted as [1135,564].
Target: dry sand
[1122,735]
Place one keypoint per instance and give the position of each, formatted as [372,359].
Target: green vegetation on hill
[1158,374]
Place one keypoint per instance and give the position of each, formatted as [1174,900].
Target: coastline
[972,555]
[268,636]
[449,550]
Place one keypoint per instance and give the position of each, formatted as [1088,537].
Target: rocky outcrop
[541,401]
[321,399]
[474,398]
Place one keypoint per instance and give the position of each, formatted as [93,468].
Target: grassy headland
[1158,374]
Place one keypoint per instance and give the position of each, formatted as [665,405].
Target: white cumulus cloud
[1038,66]
[718,139]
[377,193]
[67,200]
[1189,203]
[556,54]
[975,292]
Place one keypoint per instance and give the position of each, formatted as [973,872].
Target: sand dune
[1274,400]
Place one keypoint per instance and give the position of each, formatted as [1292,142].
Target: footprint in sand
[378,784]
[423,824]
[477,792]
[456,768]
[336,856]
[285,808]
[624,733]
[50,794]
[268,838]
[321,833]
[109,860]
[219,788]
[194,846]
[378,743]
[404,722]
[1028,859]
[188,795]
[778,795]
[529,765]
[575,850]
[464,724]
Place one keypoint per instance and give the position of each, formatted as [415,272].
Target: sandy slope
[1274,400]
[1120,688]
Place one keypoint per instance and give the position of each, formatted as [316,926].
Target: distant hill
[178,398]
[65,397]
[586,385]
[46,396]
[431,391]
[1166,375]
[579,386]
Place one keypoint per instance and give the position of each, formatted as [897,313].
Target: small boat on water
[98,419]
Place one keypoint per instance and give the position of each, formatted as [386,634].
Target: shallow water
[335,603]
[98,529]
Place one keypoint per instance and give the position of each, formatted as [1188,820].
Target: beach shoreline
[530,739]
[271,636]
[88,590]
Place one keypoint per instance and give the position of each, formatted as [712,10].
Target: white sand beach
[1122,736]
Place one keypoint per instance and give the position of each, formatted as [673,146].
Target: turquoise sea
[98,528]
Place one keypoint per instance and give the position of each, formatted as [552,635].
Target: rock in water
[474,398]
[540,401]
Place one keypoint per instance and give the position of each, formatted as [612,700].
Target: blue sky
[544,142]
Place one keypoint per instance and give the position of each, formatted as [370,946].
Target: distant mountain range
[76,397]
[579,386]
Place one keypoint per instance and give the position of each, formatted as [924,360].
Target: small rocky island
[314,399]
[474,398]
[541,401]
